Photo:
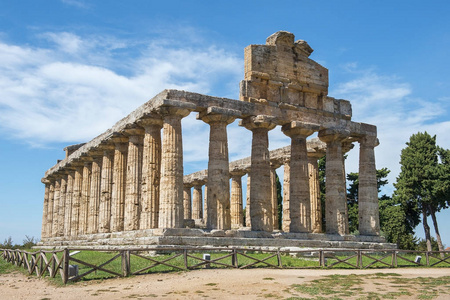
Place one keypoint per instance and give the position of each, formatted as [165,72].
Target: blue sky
[70,69]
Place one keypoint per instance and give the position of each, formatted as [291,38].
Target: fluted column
[45,210]
[85,195]
[248,220]
[68,206]
[218,172]
[197,199]
[76,198]
[299,197]
[205,203]
[336,214]
[119,184]
[260,190]
[133,178]
[237,217]
[286,224]
[51,201]
[274,193]
[369,223]
[314,189]
[62,205]
[151,172]
[56,206]
[171,188]
[104,219]
[95,193]
[187,200]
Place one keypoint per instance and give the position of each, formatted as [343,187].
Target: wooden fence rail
[51,263]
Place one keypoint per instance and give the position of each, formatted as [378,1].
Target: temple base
[216,238]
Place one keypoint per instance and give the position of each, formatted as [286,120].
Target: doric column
[286,224]
[197,199]
[68,206]
[237,217]
[85,195]
[56,196]
[151,172]
[336,214]
[274,193]
[260,189]
[205,203]
[369,223]
[119,184]
[171,187]
[133,178]
[187,200]
[218,201]
[299,197]
[104,219]
[95,193]
[51,201]
[45,210]
[248,220]
[76,198]
[62,204]
[314,189]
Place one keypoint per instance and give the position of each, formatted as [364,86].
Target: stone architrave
[62,205]
[314,189]
[133,178]
[236,210]
[68,206]
[45,211]
[119,184]
[260,189]
[51,200]
[368,210]
[286,223]
[171,186]
[197,200]
[95,193]
[218,201]
[187,201]
[104,219]
[151,172]
[336,214]
[76,198]
[299,195]
[85,196]
[56,196]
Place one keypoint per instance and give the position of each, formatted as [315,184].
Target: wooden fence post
[125,263]
[234,259]
[427,254]
[66,258]
[185,256]
[280,264]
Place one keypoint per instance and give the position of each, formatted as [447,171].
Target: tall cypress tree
[422,186]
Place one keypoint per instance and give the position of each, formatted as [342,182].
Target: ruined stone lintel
[336,212]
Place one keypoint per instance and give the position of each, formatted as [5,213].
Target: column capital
[333,135]
[168,111]
[118,139]
[369,141]
[106,147]
[258,122]
[296,128]
[155,120]
[198,182]
[187,185]
[216,118]
[135,131]
[237,173]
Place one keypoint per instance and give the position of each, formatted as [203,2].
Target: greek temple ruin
[127,185]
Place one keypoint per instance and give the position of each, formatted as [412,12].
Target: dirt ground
[221,284]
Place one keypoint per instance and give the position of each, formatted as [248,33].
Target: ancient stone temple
[127,186]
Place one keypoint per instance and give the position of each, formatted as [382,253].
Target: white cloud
[77,87]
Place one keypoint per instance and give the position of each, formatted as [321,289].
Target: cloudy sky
[70,69]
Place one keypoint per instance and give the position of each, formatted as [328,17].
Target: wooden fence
[126,262]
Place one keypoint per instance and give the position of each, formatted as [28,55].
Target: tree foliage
[423,185]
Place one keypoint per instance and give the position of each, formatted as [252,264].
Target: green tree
[280,202]
[422,186]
